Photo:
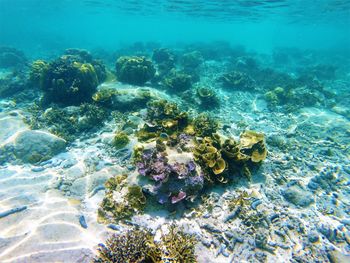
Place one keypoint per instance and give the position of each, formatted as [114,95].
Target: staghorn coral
[121,200]
[132,246]
[134,70]
[139,245]
[178,246]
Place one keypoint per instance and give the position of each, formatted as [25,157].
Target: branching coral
[132,246]
[134,70]
[138,245]
[121,200]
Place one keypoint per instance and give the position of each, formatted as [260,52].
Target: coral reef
[191,60]
[121,200]
[208,98]
[222,159]
[165,60]
[236,80]
[12,84]
[163,117]
[172,182]
[122,99]
[120,140]
[177,81]
[134,70]
[205,125]
[67,123]
[68,82]
[12,58]
[83,56]
[132,246]
[293,97]
[37,69]
[139,245]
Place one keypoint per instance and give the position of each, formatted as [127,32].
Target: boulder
[35,146]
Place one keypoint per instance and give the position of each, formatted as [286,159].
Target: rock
[10,125]
[35,146]
[298,195]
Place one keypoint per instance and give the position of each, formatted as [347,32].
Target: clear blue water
[259,25]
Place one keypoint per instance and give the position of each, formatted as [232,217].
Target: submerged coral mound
[134,70]
[69,82]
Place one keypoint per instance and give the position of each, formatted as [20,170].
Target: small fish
[82,222]
[13,211]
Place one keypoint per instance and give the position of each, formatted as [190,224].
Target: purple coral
[172,182]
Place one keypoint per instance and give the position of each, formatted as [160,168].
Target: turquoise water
[259,25]
[174,131]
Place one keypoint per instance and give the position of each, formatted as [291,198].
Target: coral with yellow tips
[121,200]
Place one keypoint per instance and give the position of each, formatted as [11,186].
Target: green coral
[68,82]
[134,70]
[207,97]
[104,96]
[205,125]
[121,200]
[163,117]
[178,246]
[37,69]
[120,140]
[177,81]
[192,59]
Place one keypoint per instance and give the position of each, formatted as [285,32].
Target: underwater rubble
[202,153]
